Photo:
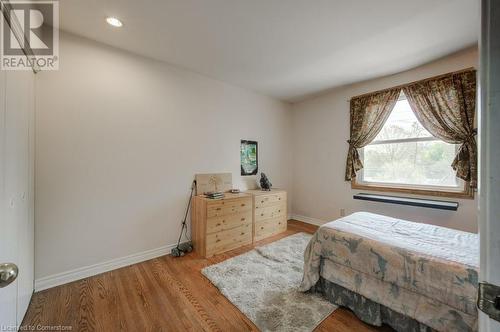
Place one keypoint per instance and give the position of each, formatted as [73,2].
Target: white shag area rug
[263,284]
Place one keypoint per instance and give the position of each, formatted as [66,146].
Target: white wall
[119,138]
[320,131]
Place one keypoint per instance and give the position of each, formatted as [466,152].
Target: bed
[412,276]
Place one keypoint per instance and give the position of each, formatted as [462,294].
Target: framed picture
[249,157]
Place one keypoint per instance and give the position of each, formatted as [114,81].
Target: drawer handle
[243,204]
[218,224]
[262,201]
[262,228]
[262,214]
[242,233]
[243,219]
[279,210]
[218,240]
[218,209]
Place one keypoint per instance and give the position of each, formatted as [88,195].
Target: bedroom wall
[119,138]
[320,131]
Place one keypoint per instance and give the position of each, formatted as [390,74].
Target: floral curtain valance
[444,105]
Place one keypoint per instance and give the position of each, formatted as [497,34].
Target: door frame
[489,151]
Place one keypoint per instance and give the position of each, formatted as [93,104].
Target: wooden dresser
[219,225]
[269,213]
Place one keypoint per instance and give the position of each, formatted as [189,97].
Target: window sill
[419,202]
[468,193]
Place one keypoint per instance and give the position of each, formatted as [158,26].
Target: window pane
[402,123]
[417,163]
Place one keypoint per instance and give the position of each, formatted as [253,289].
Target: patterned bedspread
[426,272]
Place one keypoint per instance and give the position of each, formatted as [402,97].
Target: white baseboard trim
[309,220]
[95,269]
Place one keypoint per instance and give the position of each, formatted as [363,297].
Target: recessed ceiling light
[114,22]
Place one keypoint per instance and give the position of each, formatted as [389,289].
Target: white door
[16,194]
[8,227]
[489,146]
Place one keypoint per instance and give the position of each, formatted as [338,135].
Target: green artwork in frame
[249,157]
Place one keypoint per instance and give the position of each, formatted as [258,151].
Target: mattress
[426,272]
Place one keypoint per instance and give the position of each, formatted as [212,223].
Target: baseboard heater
[420,202]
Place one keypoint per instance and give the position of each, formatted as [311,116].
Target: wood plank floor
[162,294]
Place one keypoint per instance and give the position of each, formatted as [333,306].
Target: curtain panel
[368,115]
[446,106]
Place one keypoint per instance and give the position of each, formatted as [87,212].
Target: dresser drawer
[269,227]
[268,212]
[217,224]
[271,199]
[229,239]
[228,207]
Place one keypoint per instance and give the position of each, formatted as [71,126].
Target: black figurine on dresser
[265,184]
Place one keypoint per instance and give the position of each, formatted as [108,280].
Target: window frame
[464,191]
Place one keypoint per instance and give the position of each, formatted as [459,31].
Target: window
[406,157]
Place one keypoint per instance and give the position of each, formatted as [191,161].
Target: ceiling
[287,49]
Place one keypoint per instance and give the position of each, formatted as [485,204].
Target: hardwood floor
[162,294]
